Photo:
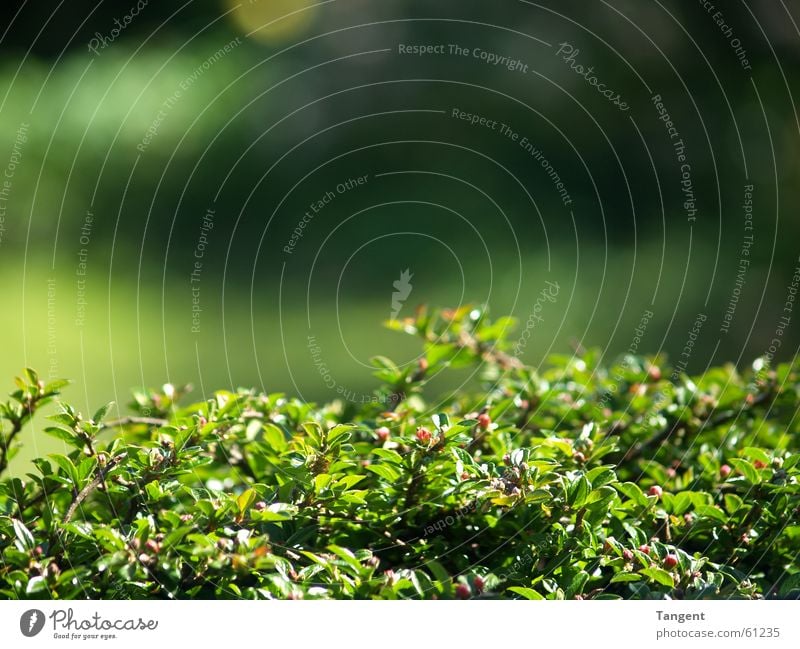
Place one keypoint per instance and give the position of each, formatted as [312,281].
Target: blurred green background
[144,117]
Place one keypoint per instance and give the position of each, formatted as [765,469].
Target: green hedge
[572,481]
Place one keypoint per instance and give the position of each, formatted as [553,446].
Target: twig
[16,428]
[665,433]
[524,419]
[17,423]
[412,490]
[372,526]
[579,518]
[488,354]
[395,398]
[88,489]
[634,452]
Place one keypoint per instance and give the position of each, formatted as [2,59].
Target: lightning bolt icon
[32,620]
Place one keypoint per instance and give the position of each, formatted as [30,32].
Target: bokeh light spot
[273,21]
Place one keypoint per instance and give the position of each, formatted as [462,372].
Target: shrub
[570,481]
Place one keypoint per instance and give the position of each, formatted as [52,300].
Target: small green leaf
[753,453]
[275,437]
[385,471]
[747,470]
[527,593]
[55,386]
[67,467]
[276,512]
[733,503]
[681,502]
[245,500]
[102,412]
[64,435]
[438,353]
[577,584]
[153,490]
[600,498]
[600,476]
[504,501]
[340,434]
[25,541]
[350,481]
[709,511]
[389,455]
[625,577]
[658,575]
[633,492]
[579,491]
[439,572]
[348,557]
[36,585]
[314,432]
[321,482]
[63,418]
